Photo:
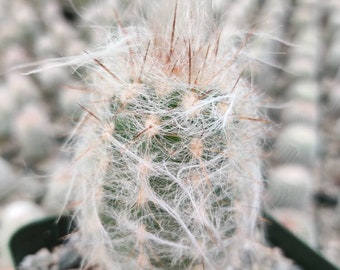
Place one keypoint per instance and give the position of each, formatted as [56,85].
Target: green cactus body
[167,165]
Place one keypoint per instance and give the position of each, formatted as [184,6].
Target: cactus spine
[167,165]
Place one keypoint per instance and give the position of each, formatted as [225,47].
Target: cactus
[300,111]
[306,90]
[296,144]
[290,186]
[167,171]
[33,133]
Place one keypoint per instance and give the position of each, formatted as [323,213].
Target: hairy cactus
[167,154]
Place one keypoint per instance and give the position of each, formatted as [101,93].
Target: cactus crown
[167,166]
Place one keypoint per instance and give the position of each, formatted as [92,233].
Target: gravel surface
[60,258]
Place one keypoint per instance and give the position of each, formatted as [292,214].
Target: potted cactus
[167,168]
[167,171]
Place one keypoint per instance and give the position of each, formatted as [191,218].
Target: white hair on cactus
[167,171]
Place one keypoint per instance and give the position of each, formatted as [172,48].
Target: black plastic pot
[51,232]
[294,248]
[45,233]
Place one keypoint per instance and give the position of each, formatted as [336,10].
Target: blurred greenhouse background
[295,61]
